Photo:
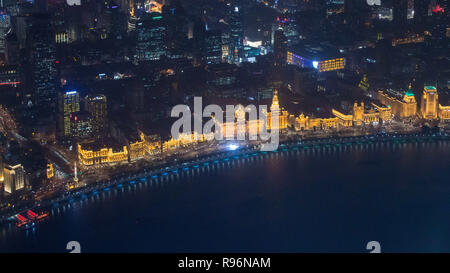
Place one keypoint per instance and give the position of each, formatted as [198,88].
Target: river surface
[327,199]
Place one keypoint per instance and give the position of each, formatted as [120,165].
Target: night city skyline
[258,126]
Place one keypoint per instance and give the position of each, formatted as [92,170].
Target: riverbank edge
[163,170]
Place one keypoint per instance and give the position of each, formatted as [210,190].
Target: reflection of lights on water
[232,147]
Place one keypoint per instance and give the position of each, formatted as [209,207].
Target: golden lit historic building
[429,103]
[254,126]
[360,116]
[136,148]
[305,123]
[430,108]
[402,106]
[93,153]
[444,113]
[279,111]
[185,140]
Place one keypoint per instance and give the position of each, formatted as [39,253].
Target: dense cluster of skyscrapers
[94,81]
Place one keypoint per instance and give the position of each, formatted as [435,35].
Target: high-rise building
[97,106]
[213,47]
[400,13]
[280,48]
[15,178]
[80,124]
[403,104]
[421,10]
[438,39]
[69,102]
[429,103]
[41,43]
[354,11]
[5,24]
[236,33]
[151,33]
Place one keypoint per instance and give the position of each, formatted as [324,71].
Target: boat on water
[31,219]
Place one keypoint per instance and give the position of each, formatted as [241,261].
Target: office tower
[236,33]
[69,102]
[15,178]
[280,48]
[5,24]
[429,103]
[12,49]
[421,10]
[80,124]
[41,45]
[41,5]
[400,13]
[176,39]
[97,106]
[151,33]
[438,40]
[212,47]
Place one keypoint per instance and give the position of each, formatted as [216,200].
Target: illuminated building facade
[97,106]
[213,47]
[402,106]
[364,83]
[430,109]
[360,116]
[90,153]
[151,32]
[69,102]
[315,57]
[282,114]
[80,124]
[412,39]
[49,171]
[429,103]
[15,178]
[444,113]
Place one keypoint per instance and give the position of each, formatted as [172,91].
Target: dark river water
[312,200]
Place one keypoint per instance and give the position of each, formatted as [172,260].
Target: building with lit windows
[151,33]
[80,124]
[318,57]
[97,106]
[403,104]
[14,178]
[212,47]
[430,108]
[444,113]
[276,109]
[361,115]
[42,53]
[429,103]
[69,102]
[96,153]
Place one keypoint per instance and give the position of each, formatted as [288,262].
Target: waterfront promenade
[190,167]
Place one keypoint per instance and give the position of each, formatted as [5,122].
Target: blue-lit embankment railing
[193,167]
